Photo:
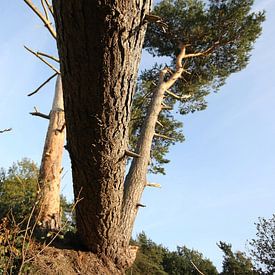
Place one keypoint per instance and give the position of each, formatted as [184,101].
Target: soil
[56,261]
[67,257]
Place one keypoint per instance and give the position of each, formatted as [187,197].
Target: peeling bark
[48,213]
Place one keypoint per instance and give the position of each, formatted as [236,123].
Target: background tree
[263,246]
[18,186]
[236,263]
[18,192]
[156,259]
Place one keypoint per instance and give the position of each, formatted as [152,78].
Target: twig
[132,154]
[159,123]
[163,136]
[42,59]
[45,9]
[203,53]
[5,130]
[140,205]
[151,184]
[47,23]
[40,115]
[49,7]
[49,56]
[176,96]
[196,267]
[78,199]
[24,251]
[43,84]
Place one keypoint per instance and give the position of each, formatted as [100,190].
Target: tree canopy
[263,246]
[219,37]
[236,262]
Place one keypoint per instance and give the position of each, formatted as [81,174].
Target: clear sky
[219,181]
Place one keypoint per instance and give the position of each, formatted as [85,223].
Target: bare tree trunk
[136,177]
[48,213]
[99,45]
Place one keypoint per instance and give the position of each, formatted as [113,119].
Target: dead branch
[132,154]
[193,264]
[163,136]
[166,107]
[43,84]
[42,59]
[50,8]
[37,113]
[203,53]
[151,184]
[46,22]
[5,130]
[157,20]
[140,205]
[49,56]
[45,9]
[176,96]
[159,123]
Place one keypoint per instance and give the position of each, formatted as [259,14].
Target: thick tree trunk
[99,45]
[48,213]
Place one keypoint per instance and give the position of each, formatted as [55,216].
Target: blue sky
[219,181]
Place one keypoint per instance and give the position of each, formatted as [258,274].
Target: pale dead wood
[132,154]
[45,9]
[43,84]
[46,22]
[160,124]
[166,107]
[176,96]
[152,184]
[42,59]
[49,56]
[163,136]
[193,264]
[203,53]
[49,7]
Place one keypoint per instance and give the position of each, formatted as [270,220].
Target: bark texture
[48,213]
[136,177]
[99,45]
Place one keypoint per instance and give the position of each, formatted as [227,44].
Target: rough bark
[48,213]
[99,45]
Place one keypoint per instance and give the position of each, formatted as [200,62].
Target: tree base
[69,262]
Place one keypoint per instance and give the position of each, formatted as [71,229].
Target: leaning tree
[99,45]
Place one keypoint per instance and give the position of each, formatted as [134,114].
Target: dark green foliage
[263,246]
[187,261]
[155,259]
[226,29]
[18,186]
[149,257]
[236,263]
[226,26]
